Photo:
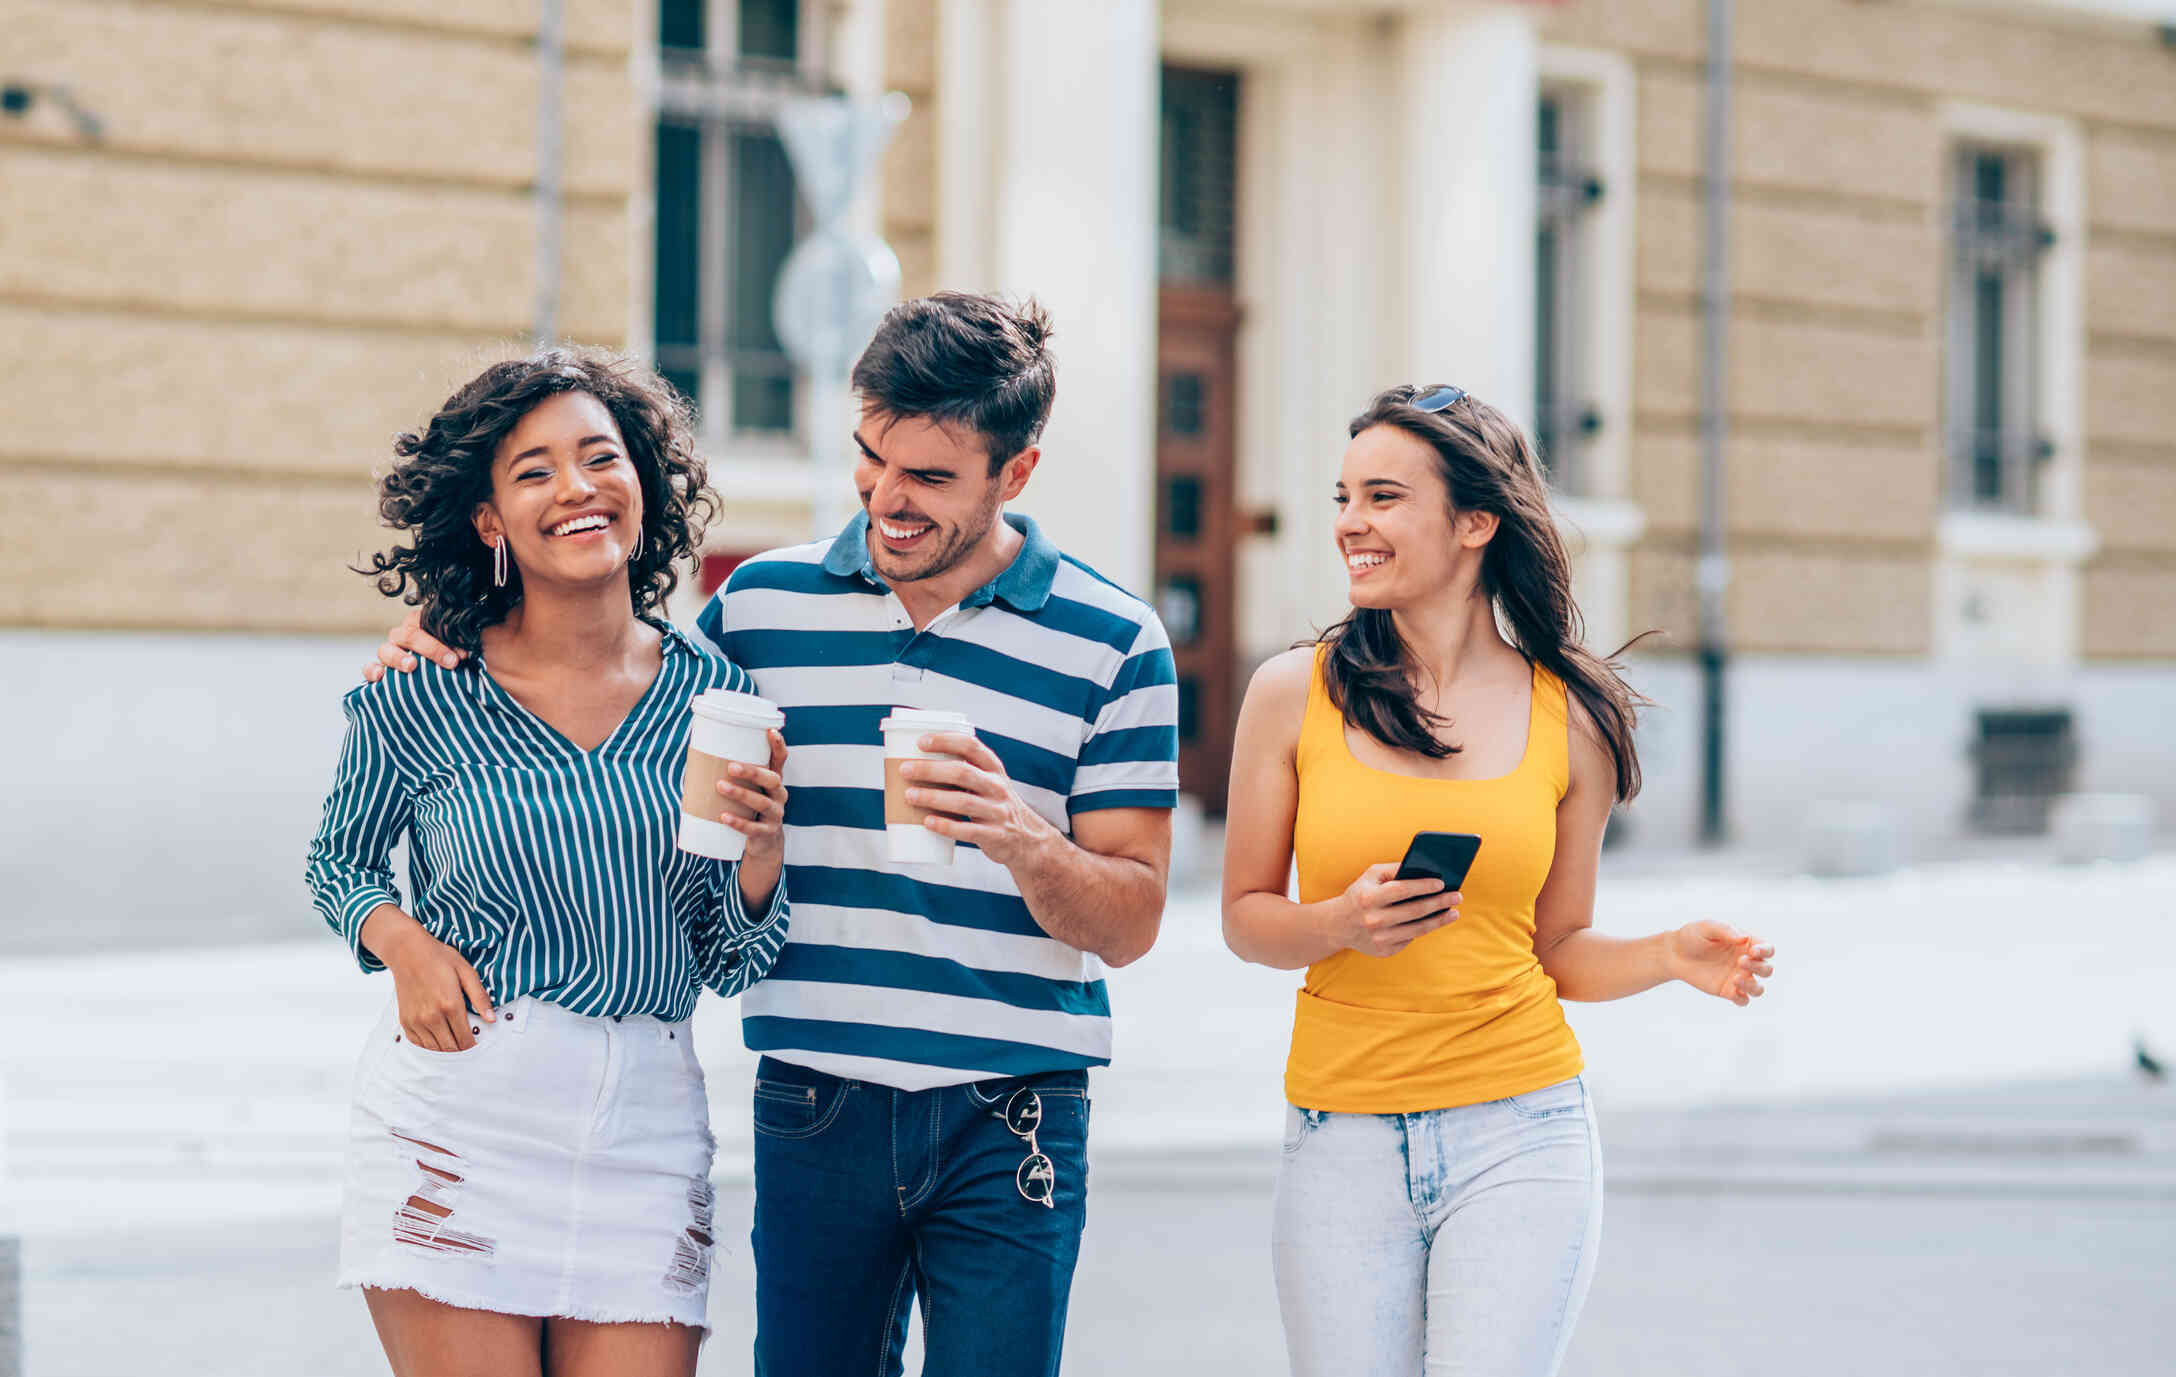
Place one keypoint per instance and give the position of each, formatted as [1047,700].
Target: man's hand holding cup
[971,799]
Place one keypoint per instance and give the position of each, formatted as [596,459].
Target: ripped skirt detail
[560,1167]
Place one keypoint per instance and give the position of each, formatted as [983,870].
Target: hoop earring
[636,553]
[498,563]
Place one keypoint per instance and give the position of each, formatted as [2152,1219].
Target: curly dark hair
[444,473]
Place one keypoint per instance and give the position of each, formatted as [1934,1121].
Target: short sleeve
[1130,758]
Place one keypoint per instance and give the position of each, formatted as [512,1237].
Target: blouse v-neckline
[559,737]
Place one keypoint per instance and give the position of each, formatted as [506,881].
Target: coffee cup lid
[925,720]
[737,709]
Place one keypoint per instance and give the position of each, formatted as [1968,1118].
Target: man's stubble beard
[956,550]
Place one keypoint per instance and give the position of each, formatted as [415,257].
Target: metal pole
[11,1307]
[1713,572]
[11,1261]
[551,46]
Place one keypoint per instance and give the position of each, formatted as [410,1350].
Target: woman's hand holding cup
[761,792]
[1381,915]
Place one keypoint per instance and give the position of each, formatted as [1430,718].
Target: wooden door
[1196,520]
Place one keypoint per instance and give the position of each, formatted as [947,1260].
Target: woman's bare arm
[1376,915]
[1590,966]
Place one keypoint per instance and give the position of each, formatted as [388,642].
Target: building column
[1470,84]
[1070,148]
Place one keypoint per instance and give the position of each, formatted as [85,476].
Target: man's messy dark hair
[444,473]
[957,358]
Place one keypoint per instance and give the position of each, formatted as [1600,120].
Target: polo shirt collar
[1024,584]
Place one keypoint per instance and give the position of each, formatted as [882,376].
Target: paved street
[1926,1151]
[1176,1281]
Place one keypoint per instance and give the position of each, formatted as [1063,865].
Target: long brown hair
[1488,466]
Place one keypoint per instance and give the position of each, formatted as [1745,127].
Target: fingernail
[409,663]
[447,661]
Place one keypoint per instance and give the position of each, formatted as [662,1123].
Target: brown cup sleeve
[896,807]
[699,788]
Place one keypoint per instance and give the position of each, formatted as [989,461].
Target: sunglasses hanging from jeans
[1037,1176]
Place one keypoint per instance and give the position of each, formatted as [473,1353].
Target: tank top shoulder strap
[1548,731]
[1322,730]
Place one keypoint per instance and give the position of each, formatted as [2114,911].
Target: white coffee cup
[728,728]
[908,841]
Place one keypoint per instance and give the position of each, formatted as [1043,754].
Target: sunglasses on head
[1440,399]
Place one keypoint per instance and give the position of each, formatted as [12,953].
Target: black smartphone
[1445,856]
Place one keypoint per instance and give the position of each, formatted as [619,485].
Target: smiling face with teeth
[932,500]
[565,496]
[1400,540]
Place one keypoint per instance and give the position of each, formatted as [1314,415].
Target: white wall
[1053,192]
[1467,164]
[1801,730]
[163,789]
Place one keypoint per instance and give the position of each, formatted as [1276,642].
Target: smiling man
[921,1109]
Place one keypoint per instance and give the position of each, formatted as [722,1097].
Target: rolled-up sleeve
[350,871]
[734,948]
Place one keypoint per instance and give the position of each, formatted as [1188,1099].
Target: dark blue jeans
[869,1199]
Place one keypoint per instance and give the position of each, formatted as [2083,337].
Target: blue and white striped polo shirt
[914,976]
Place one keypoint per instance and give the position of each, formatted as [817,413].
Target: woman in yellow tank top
[1439,1203]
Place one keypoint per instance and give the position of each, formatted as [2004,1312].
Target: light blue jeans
[1455,1241]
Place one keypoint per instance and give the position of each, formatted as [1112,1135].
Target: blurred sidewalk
[215,1081]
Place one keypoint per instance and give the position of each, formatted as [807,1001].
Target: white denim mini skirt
[560,1167]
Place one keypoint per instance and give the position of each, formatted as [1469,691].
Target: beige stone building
[1951,482]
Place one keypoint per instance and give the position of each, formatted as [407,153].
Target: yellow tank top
[1465,1014]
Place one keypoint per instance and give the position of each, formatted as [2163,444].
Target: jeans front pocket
[786,1110]
[1565,1097]
[1298,1124]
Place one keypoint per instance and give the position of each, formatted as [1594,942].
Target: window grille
[2023,760]
[1998,241]
[1569,191]
[1200,159]
[726,214]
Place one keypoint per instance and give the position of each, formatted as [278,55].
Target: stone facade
[1838,267]
[306,221]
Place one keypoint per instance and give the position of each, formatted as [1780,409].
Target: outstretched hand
[1719,959]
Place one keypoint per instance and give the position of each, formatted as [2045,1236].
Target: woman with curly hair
[527,1187]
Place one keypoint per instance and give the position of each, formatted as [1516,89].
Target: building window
[1570,191]
[1200,162]
[726,211]
[1998,239]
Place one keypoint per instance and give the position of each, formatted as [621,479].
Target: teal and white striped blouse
[551,869]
